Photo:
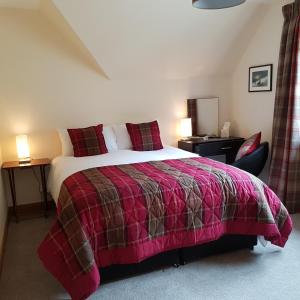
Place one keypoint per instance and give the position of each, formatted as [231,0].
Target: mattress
[64,166]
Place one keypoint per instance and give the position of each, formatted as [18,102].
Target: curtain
[285,155]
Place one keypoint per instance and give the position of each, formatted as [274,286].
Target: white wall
[46,83]
[252,112]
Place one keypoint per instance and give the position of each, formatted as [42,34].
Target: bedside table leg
[44,187]
[12,185]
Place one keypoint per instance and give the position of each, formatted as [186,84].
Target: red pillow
[88,141]
[144,136]
[249,146]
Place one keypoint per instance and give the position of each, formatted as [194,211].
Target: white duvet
[64,166]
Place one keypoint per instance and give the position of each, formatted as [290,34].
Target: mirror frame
[192,113]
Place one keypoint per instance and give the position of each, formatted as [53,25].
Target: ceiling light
[216,4]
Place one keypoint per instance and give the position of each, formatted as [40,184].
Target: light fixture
[186,127]
[23,149]
[216,4]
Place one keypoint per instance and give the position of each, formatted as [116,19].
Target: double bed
[125,207]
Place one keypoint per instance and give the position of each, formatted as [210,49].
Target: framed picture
[260,78]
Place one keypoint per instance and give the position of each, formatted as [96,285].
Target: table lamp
[23,149]
[186,128]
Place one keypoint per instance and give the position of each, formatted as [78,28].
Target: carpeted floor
[265,273]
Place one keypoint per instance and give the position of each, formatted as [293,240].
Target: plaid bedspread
[127,213]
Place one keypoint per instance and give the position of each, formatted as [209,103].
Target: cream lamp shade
[186,127]
[23,148]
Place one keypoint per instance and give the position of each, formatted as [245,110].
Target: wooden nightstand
[10,166]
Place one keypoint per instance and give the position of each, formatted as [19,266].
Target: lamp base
[23,161]
[190,138]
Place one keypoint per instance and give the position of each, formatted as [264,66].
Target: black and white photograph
[260,78]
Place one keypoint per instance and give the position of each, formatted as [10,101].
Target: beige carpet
[265,273]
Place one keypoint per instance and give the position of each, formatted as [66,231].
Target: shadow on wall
[66,34]
[54,35]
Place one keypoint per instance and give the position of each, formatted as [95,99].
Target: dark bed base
[179,257]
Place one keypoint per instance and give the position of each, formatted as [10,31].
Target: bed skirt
[179,257]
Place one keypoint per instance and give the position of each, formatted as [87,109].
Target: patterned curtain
[285,156]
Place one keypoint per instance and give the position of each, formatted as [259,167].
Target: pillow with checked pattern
[88,141]
[145,136]
[250,145]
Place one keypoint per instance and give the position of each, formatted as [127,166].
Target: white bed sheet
[64,166]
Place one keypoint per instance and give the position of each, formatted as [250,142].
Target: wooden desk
[213,147]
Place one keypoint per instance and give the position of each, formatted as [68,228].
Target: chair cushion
[145,136]
[250,145]
[88,141]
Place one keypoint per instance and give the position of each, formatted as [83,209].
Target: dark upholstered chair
[254,162]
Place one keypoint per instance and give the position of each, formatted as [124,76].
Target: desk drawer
[228,148]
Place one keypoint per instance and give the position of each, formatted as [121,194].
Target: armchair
[254,162]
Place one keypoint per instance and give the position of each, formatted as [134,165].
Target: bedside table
[213,147]
[10,167]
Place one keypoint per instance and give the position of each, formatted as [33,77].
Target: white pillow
[67,147]
[66,144]
[122,136]
[110,139]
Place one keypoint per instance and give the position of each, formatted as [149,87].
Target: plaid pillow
[249,146]
[145,136]
[88,141]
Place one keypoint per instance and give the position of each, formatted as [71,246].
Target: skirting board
[3,243]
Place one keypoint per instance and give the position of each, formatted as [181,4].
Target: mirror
[204,113]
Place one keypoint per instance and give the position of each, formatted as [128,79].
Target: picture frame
[260,78]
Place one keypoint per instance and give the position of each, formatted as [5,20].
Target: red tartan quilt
[127,213]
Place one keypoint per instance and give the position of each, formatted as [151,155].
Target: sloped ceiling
[169,39]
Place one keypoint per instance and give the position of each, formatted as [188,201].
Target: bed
[125,207]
